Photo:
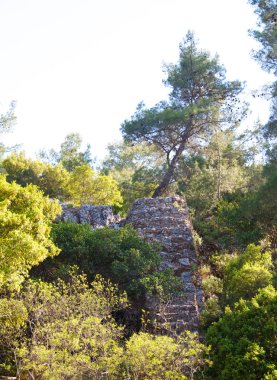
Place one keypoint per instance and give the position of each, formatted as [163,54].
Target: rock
[96,216]
[184,261]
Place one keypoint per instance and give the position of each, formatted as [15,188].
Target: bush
[25,218]
[64,331]
[163,357]
[246,274]
[118,255]
[243,340]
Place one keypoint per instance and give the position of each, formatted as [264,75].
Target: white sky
[83,65]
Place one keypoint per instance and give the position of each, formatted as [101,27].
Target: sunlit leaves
[25,216]
[247,273]
[86,186]
[244,340]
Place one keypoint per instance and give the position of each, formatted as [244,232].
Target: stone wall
[96,216]
[167,221]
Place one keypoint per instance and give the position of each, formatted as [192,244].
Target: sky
[82,66]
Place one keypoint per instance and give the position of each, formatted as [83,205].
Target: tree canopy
[266,34]
[25,217]
[87,186]
[7,121]
[266,56]
[70,154]
[201,99]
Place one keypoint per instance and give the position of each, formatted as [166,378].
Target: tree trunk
[160,190]
[219,179]
[163,186]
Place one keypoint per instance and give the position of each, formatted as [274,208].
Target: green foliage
[232,277]
[22,170]
[213,289]
[163,357]
[246,274]
[267,203]
[25,217]
[269,130]
[81,186]
[70,155]
[236,220]
[65,331]
[196,105]
[221,171]
[244,340]
[7,121]
[163,284]
[211,313]
[13,317]
[218,190]
[133,156]
[85,186]
[212,285]
[136,169]
[266,34]
[119,255]
[52,180]
[200,192]
[241,215]
[246,218]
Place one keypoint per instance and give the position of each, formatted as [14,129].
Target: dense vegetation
[72,299]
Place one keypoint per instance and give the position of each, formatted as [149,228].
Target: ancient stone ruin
[167,221]
[96,216]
